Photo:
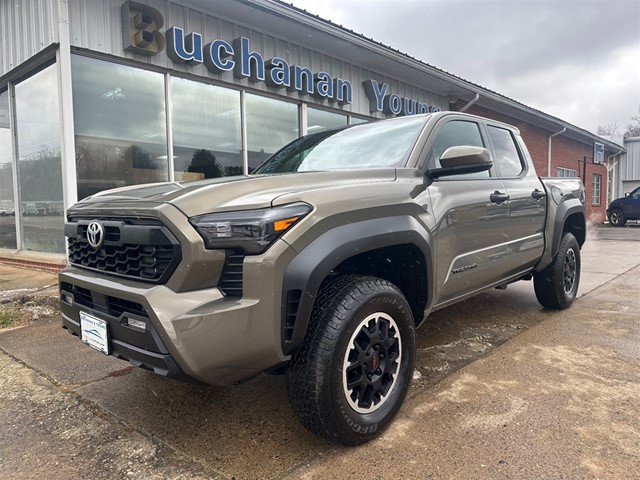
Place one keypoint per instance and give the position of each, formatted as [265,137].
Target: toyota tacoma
[322,262]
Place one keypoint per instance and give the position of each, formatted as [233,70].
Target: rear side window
[507,158]
[452,134]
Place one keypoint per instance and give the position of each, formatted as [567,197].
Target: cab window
[456,133]
[506,156]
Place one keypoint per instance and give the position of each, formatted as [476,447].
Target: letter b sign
[140,29]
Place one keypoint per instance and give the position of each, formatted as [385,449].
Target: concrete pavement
[503,389]
[561,400]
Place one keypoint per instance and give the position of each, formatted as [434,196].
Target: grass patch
[9,316]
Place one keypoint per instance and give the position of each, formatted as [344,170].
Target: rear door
[527,200]
[470,213]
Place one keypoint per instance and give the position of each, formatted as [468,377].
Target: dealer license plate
[94,332]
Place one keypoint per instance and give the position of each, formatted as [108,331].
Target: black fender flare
[311,265]
[554,233]
[565,210]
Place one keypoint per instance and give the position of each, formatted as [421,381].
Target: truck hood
[227,193]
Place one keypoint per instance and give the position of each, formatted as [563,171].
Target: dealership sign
[141,26]
[598,153]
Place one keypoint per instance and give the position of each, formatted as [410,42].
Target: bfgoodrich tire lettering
[352,373]
[557,285]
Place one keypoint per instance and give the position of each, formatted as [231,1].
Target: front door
[471,215]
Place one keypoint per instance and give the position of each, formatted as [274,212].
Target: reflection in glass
[7,205]
[358,121]
[373,145]
[456,133]
[320,120]
[39,168]
[120,125]
[271,124]
[206,130]
[506,157]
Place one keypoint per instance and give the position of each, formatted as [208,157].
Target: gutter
[614,155]
[611,171]
[473,100]
[564,129]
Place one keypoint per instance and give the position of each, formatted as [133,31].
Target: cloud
[575,59]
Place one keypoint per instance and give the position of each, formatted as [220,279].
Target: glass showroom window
[595,193]
[319,120]
[39,163]
[358,121]
[206,130]
[271,124]
[120,125]
[7,205]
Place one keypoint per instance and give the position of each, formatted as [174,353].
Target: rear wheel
[557,285]
[351,375]
[616,218]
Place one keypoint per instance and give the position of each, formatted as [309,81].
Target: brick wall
[565,152]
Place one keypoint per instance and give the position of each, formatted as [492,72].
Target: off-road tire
[347,311]
[557,285]
[616,218]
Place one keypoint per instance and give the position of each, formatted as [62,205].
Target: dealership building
[97,94]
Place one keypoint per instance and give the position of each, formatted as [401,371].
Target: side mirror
[461,160]
[626,194]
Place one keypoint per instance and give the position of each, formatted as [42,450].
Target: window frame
[565,169]
[425,157]
[594,190]
[524,166]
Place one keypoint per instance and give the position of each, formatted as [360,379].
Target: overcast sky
[578,60]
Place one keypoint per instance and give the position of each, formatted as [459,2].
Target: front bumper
[198,334]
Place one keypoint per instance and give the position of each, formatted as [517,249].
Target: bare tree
[633,129]
[609,129]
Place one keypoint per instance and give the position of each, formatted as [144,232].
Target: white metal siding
[96,25]
[629,186]
[631,167]
[27,27]
[628,168]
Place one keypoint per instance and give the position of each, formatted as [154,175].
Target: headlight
[252,230]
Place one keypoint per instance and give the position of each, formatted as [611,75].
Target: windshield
[372,145]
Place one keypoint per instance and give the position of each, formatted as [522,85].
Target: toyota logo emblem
[95,234]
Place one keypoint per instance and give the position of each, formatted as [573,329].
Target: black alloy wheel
[371,362]
[569,270]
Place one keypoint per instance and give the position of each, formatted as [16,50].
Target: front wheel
[349,378]
[557,285]
[616,218]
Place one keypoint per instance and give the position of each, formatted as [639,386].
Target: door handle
[537,194]
[498,197]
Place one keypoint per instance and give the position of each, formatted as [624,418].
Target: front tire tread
[308,387]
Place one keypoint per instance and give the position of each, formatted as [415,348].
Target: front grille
[140,249]
[112,306]
[118,306]
[231,279]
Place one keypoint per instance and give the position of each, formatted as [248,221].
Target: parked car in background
[625,208]
[4,211]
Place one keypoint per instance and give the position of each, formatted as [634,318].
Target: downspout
[610,196]
[564,129]
[474,100]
